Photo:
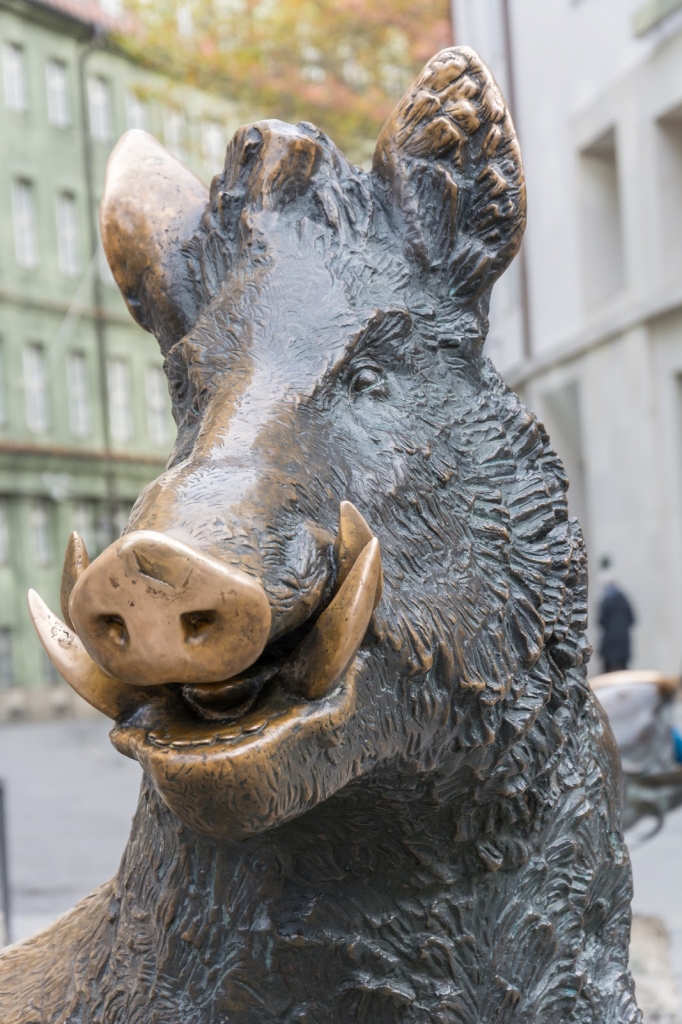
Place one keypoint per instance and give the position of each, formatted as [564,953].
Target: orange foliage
[342,64]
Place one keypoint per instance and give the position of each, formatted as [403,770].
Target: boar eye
[368,379]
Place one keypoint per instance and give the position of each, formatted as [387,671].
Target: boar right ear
[449,165]
[151,206]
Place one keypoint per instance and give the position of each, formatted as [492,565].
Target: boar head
[322,328]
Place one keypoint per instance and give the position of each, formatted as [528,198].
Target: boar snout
[151,610]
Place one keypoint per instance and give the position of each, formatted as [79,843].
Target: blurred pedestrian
[616,618]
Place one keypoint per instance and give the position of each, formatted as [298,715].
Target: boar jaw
[281,712]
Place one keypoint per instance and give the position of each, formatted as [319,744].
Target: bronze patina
[371,794]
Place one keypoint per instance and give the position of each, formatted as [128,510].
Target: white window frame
[156,393]
[14,78]
[78,390]
[119,385]
[120,517]
[57,90]
[68,247]
[137,112]
[36,388]
[99,109]
[84,523]
[25,223]
[3,383]
[5,532]
[40,531]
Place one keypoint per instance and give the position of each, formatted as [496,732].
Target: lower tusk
[322,658]
[353,537]
[76,561]
[66,652]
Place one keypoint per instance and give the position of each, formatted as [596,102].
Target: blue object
[677,740]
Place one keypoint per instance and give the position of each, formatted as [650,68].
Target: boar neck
[334,870]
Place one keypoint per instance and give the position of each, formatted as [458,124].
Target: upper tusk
[66,652]
[353,537]
[76,561]
[322,658]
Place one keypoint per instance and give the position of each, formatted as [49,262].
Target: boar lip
[232,699]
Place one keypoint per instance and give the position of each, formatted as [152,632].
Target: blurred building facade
[84,413]
[587,325]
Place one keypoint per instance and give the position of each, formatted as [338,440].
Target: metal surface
[405,807]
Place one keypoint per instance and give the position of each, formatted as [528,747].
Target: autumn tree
[339,63]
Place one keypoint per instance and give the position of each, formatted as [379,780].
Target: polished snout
[151,610]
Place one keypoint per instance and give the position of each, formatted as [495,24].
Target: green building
[84,413]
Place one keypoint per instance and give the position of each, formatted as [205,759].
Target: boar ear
[152,205]
[449,165]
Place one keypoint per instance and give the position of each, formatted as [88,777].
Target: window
[670,192]
[4,532]
[157,404]
[3,386]
[603,263]
[84,523]
[14,77]
[6,658]
[67,234]
[213,143]
[24,216]
[121,517]
[174,130]
[104,535]
[136,112]
[57,82]
[78,389]
[99,106]
[35,388]
[40,540]
[120,404]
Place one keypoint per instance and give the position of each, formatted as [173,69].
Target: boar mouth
[304,666]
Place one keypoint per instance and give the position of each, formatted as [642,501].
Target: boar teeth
[322,658]
[353,537]
[76,561]
[66,652]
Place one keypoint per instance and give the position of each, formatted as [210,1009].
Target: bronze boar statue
[344,631]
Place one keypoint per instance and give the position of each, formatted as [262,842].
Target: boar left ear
[152,206]
[449,165]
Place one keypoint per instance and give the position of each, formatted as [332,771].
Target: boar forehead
[279,327]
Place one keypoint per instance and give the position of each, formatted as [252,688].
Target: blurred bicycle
[640,708]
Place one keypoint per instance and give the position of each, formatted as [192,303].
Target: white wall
[599,115]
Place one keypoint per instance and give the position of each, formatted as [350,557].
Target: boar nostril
[115,628]
[196,625]
[151,611]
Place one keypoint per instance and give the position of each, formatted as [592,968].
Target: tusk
[66,652]
[322,658]
[76,561]
[353,537]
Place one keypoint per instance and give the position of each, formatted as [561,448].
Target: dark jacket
[615,617]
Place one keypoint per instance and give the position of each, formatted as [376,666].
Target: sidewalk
[70,797]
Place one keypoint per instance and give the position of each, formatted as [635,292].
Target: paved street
[71,797]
